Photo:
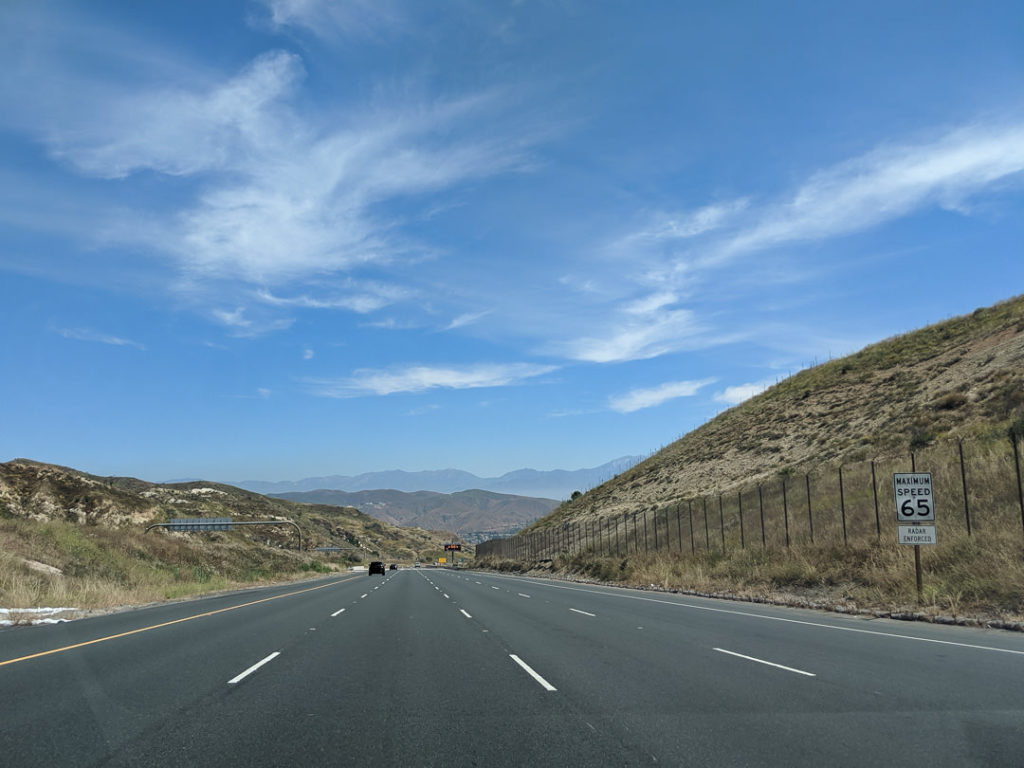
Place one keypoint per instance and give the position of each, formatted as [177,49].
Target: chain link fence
[977,488]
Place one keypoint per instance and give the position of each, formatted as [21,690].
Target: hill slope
[474,515]
[960,378]
[551,484]
[70,538]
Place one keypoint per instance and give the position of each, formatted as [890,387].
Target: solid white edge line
[253,668]
[465,614]
[767,663]
[337,612]
[547,686]
[585,613]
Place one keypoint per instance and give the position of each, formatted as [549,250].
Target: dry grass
[104,568]
[981,574]
[690,516]
[963,378]
[963,578]
[91,531]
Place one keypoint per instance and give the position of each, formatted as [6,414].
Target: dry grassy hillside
[788,497]
[960,378]
[68,538]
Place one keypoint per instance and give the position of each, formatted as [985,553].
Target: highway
[433,667]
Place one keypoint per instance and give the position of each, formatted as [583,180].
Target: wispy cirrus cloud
[182,129]
[421,378]
[465,319]
[886,184]
[639,399]
[242,325]
[639,329]
[88,334]
[683,225]
[278,195]
[362,298]
[681,251]
[325,18]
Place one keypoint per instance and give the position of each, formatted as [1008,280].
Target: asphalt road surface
[431,667]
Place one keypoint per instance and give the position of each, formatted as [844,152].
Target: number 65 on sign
[914,499]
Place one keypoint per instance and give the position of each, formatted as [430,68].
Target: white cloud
[886,184]
[303,206]
[468,318]
[279,195]
[636,336]
[308,354]
[87,334]
[364,299]
[326,18]
[647,398]
[650,304]
[263,393]
[674,254]
[184,129]
[421,378]
[681,226]
[243,326]
[736,395]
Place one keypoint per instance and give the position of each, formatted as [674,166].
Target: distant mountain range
[552,484]
[474,515]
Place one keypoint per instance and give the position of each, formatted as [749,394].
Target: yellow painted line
[167,623]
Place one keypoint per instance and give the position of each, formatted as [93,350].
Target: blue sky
[268,240]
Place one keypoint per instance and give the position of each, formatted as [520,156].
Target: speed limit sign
[915,502]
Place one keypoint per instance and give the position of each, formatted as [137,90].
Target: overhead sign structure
[452,547]
[915,502]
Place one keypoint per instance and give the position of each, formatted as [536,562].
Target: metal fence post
[721,519]
[963,480]
[842,503]
[689,511]
[707,534]
[785,511]
[760,504]
[874,491]
[743,542]
[1016,464]
[810,515]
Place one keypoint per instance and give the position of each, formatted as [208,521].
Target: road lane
[437,667]
[402,680]
[101,694]
[897,694]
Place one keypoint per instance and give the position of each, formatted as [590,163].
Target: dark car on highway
[377,567]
